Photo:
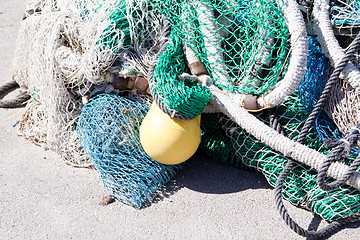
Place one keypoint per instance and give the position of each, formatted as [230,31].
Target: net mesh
[108,129]
[343,105]
[70,50]
[243,45]
[227,139]
[311,86]
[45,66]
[187,97]
[345,16]
[228,143]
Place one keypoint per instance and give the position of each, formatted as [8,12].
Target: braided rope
[297,62]
[285,87]
[292,224]
[353,48]
[10,86]
[274,121]
[267,135]
[343,150]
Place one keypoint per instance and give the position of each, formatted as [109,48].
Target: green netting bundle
[300,187]
[116,33]
[187,97]
[108,129]
[243,44]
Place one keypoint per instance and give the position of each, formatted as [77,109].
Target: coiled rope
[9,87]
[341,151]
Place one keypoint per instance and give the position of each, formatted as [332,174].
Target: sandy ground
[43,198]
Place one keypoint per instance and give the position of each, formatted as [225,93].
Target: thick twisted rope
[329,44]
[349,141]
[11,86]
[274,121]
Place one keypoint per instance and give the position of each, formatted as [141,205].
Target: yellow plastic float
[169,140]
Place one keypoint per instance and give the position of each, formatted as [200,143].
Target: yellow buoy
[169,140]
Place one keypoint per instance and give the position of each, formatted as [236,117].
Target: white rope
[330,46]
[297,66]
[297,63]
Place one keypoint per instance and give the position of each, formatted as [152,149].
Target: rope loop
[9,87]
[341,151]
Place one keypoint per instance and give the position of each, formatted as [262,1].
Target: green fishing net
[243,44]
[228,143]
[300,187]
[187,97]
[116,34]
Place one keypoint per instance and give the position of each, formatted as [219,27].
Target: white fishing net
[67,50]
[337,23]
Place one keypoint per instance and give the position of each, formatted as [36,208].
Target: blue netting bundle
[108,130]
[315,77]
[310,88]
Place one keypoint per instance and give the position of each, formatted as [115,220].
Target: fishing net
[68,51]
[336,25]
[108,129]
[311,86]
[192,56]
[238,148]
[228,143]
[345,17]
[242,45]
[300,188]
[48,51]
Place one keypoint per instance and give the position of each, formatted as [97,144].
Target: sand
[43,198]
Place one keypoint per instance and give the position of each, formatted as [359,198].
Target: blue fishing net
[311,86]
[108,130]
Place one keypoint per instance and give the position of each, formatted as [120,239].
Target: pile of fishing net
[108,129]
[69,50]
[92,67]
[230,144]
